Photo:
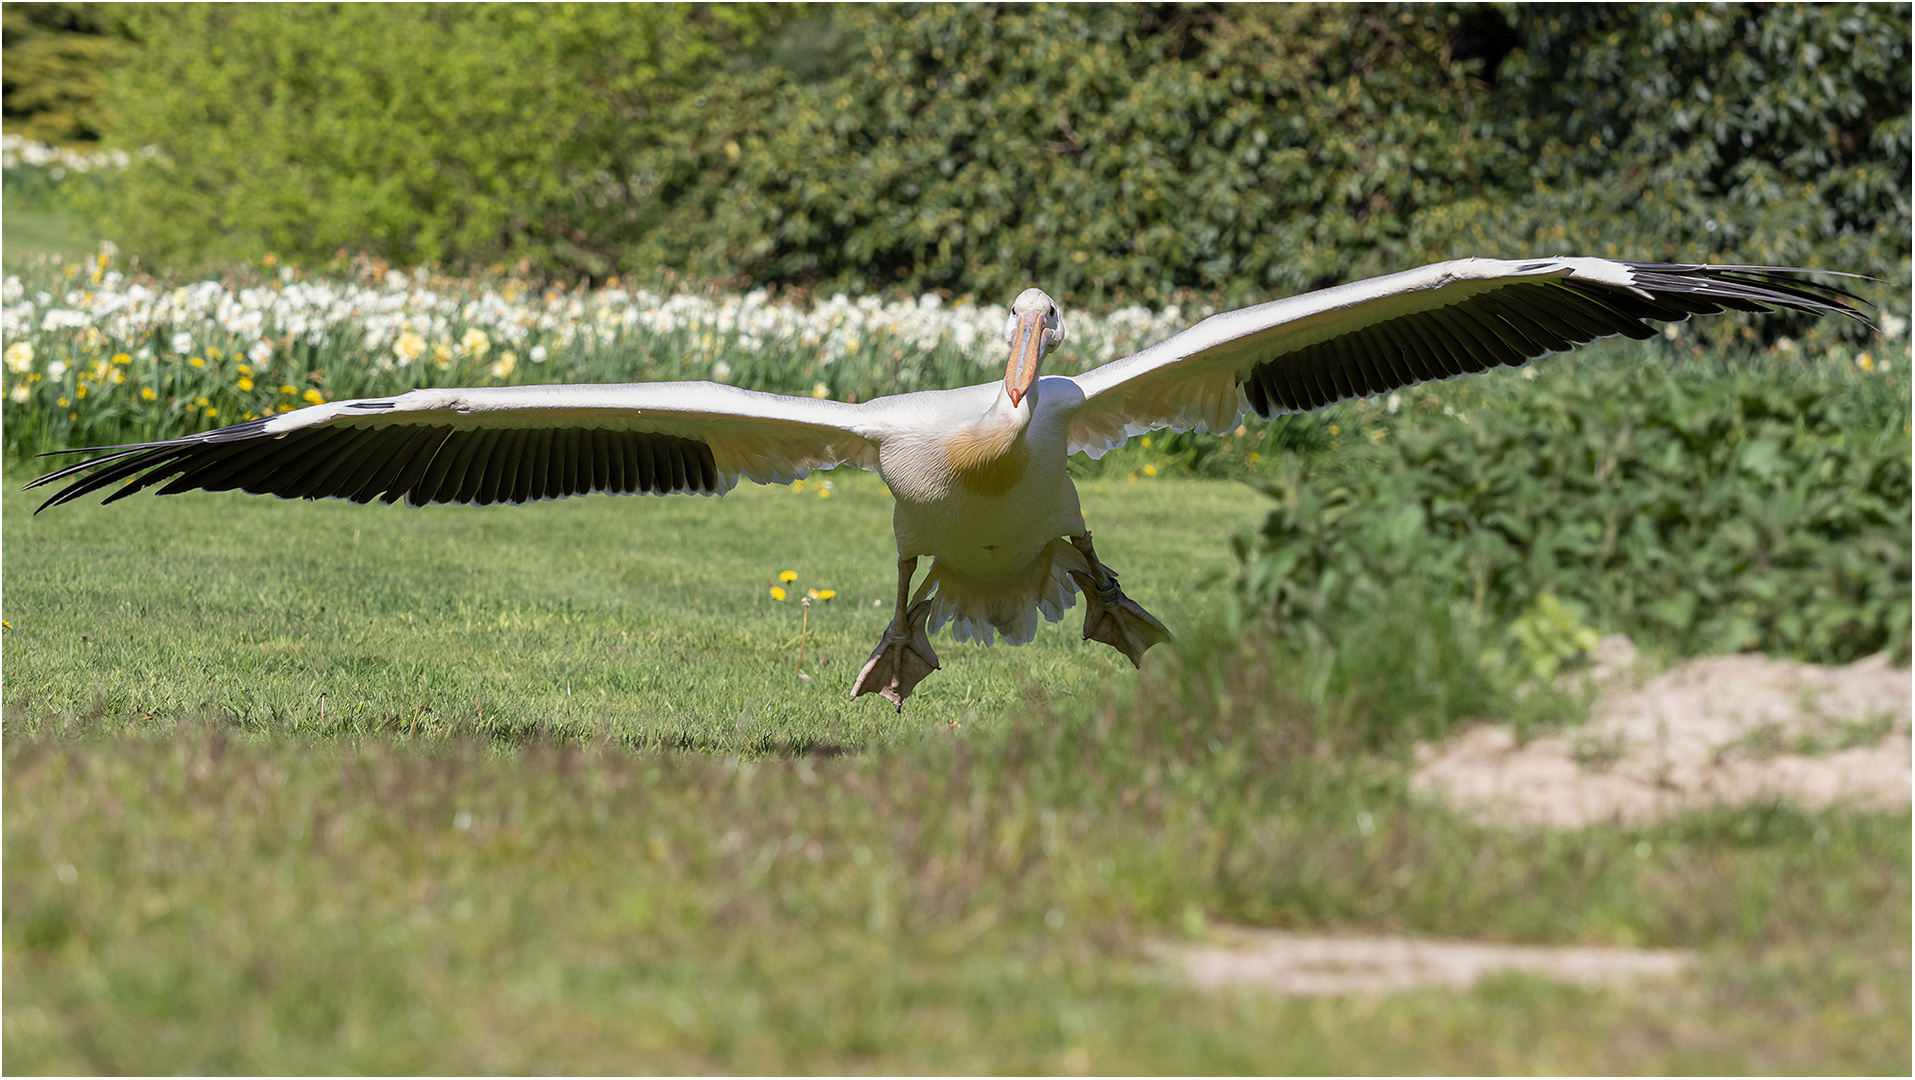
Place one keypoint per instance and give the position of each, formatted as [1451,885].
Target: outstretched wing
[500,444]
[1436,322]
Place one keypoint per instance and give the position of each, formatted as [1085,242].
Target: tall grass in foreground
[974,902]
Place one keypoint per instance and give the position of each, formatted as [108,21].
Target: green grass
[646,621]
[626,838]
[35,218]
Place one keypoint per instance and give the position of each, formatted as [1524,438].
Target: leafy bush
[1108,152]
[1698,511]
[475,134]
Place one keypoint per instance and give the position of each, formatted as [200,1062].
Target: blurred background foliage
[1112,153]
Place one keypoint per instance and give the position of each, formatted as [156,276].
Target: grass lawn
[315,788]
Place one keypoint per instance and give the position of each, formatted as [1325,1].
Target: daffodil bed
[96,353]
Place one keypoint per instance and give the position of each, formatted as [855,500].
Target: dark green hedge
[1702,511]
[1104,151]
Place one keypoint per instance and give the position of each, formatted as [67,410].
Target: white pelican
[979,472]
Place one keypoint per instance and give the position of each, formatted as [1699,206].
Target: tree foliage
[1108,152]
[56,61]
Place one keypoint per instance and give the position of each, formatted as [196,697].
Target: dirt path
[1307,965]
[1713,730]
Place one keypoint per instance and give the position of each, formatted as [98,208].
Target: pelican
[978,473]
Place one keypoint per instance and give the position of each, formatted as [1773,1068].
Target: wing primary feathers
[1341,368]
[410,483]
[714,483]
[401,454]
[601,444]
[628,453]
[458,445]
[521,478]
[502,462]
[347,481]
[538,457]
[473,475]
[340,455]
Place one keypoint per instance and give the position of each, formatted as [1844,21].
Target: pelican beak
[1027,351]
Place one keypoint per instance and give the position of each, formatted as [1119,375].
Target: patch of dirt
[1304,965]
[1713,730]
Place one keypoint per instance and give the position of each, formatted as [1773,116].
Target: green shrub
[1694,510]
[470,133]
[1107,152]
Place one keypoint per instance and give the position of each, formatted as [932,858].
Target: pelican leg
[1109,615]
[903,657]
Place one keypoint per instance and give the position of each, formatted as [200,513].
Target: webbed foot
[1110,616]
[902,659]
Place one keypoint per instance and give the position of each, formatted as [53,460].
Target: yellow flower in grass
[788,576]
[287,388]
[244,383]
[146,393]
[210,413]
[122,359]
[821,594]
[777,593]
[196,362]
[409,347]
[314,397]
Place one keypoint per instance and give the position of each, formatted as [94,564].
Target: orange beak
[1027,351]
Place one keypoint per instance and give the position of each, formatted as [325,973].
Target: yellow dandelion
[287,388]
[788,576]
[826,594]
[210,413]
[1335,430]
[197,362]
[122,359]
[81,392]
[1150,470]
[1146,442]
[245,369]
[7,625]
[777,593]
[313,397]
[824,493]
[64,403]
[244,383]
[202,400]
[214,353]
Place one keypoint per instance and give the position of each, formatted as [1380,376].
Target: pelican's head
[1036,327]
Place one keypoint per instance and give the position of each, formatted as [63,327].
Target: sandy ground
[1713,730]
[1305,965]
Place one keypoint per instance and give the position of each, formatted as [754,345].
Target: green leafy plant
[1697,510]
